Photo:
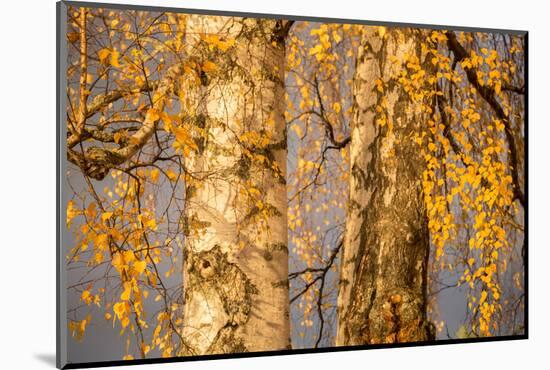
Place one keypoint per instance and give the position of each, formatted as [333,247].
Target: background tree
[320,59]
[383,278]
[462,138]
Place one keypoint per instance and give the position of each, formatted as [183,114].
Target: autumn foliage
[169,116]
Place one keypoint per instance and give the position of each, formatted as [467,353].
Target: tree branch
[97,162]
[101,101]
[329,128]
[323,271]
[488,94]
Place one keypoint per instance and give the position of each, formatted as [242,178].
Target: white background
[27,186]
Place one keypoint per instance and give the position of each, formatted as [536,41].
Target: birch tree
[438,146]
[236,265]
[383,281]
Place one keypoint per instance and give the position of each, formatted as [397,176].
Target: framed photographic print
[235,184]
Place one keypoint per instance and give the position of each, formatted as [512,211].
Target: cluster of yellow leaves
[72,212]
[473,61]
[320,50]
[490,237]
[106,230]
[177,27]
[162,335]
[293,58]
[252,144]
[109,56]
[420,72]
[327,37]
[481,187]
[184,142]
[319,60]
[88,298]
[256,139]
[440,219]
[215,41]
[130,302]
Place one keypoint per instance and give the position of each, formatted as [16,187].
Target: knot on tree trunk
[97,162]
[211,269]
[398,316]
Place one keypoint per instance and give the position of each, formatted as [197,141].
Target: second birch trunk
[383,282]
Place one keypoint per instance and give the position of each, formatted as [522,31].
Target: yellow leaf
[98,258]
[119,309]
[101,241]
[152,115]
[91,211]
[151,224]
[379,84]
[209,66]
[114,59]
[316,50]
[155,175]
[298,130]
[72,212]
[183,137]
[224,45]
[139,266]
[498,87]
[86,297]
[483,297]
[337,107]
[145,348]
[103,54]
[125,296]
[106,215]
[171,175]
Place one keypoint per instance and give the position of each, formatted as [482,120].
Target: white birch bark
[236,265]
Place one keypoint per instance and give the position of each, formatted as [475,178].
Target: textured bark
[382,297]
[236,266]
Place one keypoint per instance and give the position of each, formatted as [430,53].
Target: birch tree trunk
[236,264]
[382,297]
